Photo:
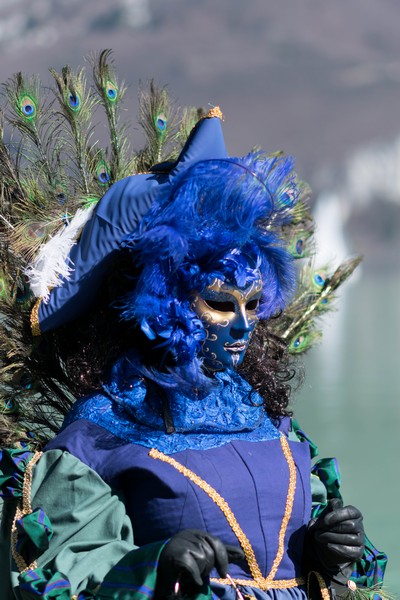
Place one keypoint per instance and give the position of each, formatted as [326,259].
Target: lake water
[350,405]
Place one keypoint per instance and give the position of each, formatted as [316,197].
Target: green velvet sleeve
[89,533]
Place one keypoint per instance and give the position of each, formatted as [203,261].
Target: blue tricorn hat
[118,214]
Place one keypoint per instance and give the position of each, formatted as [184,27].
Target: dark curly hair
[271,370]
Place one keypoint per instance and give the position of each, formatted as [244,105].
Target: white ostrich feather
[52,263]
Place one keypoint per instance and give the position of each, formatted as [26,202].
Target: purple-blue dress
[254,488]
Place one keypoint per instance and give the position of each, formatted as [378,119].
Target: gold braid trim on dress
[288,507]
[325,595]
[222,504]
[263,583]
[258,581]
[274,584]
[25,509]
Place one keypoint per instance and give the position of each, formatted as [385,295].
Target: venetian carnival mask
[229,316]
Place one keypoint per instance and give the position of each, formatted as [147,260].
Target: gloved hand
[335,540]
[189,557]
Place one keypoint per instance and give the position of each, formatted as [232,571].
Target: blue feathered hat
[221,218]
[117,214]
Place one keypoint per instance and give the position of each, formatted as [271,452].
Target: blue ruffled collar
[133,411]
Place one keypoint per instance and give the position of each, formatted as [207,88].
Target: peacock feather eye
[8,407]
[25,381]
[74,101]
[324,304]
[319,279]
[303,341]
[161,122]
[28,107]
[287,196]
[298,344]
[102,173]
[61,197]
[59,194]
[111,91]
[299,247]
[23,294]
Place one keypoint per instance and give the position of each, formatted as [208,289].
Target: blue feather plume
[218,216]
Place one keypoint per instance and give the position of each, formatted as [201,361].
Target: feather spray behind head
[39,193]
[52,173]
[32,163]
[316,289]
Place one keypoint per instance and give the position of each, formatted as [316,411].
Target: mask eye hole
[220,306]
[252,304]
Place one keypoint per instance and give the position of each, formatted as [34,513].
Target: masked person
[180,472]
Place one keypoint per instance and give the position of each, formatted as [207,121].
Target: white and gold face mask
[229,315]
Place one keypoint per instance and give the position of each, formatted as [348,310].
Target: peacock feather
[372,593]
[316,292]
[158,121]
[74,124]
[111,93]
[33,182]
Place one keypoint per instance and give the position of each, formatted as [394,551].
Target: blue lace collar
[133,411]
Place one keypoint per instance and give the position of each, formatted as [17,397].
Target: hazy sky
[313,77]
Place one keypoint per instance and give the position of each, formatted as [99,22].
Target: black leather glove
[335,540]
[189,557]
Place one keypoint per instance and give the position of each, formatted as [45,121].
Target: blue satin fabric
[232,411]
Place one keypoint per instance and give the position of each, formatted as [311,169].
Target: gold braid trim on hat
[35,327]
[215,111]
